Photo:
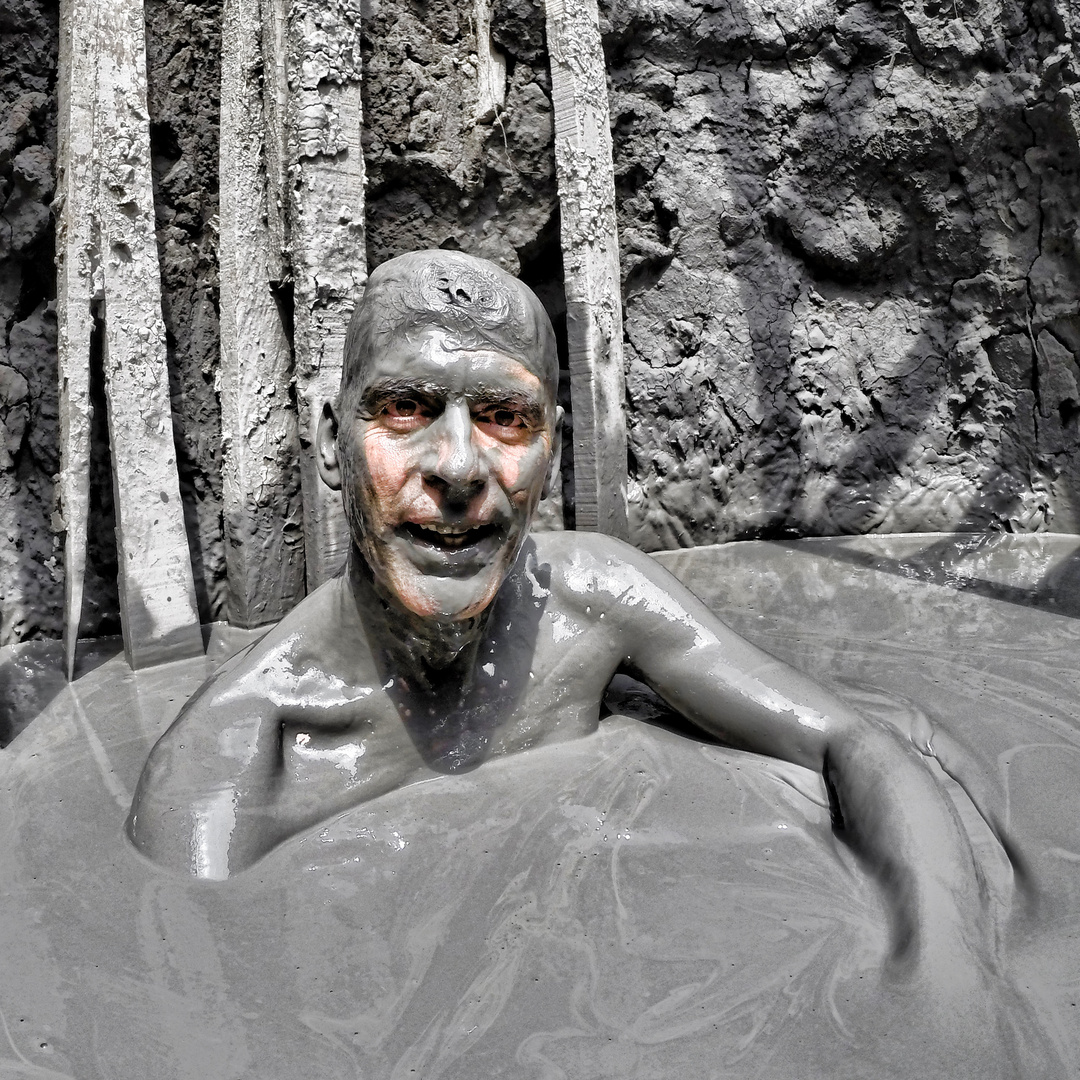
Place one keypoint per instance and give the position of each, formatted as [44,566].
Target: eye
[406,413]
[504,421]
[403,407]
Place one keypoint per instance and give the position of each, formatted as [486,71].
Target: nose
[455,465]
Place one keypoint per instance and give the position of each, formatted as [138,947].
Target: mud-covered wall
[31,581]
[458,141]
[849,246]
[850,239]
[448,165]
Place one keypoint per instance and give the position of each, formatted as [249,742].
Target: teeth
[452,536]
[447,530]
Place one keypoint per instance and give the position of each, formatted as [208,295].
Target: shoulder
[595,554]
[599,568]
[301,658]
[647,607]
[310,632]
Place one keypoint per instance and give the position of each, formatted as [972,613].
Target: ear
[326,448]
[556,453]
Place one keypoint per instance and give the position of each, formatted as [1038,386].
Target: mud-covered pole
[263,510]
[158,612]
[76,257]
[590,246]
[107,255]
[326,243]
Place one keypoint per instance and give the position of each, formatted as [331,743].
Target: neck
[425,649]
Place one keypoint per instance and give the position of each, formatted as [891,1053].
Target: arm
[886,803]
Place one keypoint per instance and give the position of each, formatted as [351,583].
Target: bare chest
[525,685]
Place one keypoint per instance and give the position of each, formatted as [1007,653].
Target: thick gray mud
[633,904]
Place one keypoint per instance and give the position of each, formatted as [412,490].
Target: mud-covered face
[443,460]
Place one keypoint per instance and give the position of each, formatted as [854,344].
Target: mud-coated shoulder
[301,635]
[602,578]
[206,794]
[312,653]
[591,569]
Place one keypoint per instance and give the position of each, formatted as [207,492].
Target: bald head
[480,305]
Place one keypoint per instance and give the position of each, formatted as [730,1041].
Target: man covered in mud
[453,636]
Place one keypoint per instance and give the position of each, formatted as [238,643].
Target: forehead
[434,357]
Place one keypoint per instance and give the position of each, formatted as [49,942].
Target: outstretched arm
[886,802]
[947,988]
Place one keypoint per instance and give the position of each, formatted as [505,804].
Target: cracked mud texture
[31,582]
[850,247]
[448,165]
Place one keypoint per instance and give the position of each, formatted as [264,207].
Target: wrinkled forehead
[473,303]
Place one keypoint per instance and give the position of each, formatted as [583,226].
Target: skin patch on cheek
[508,468]
[387,463]
[516,466]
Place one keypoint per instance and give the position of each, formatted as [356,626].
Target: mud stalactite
[323,202]
[108,256]
[263,512]
[590,246]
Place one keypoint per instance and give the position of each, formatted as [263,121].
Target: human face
[443,461]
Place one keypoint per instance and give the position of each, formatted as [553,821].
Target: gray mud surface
[633,904]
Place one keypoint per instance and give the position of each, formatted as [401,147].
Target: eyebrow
[532,409]
[386,388]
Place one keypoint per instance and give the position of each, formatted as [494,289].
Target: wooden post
[109,249]
[590,247]
[326,236]
[263,514]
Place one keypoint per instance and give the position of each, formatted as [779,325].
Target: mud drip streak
[108,252]
[74,290]
[261,485]
[101,759]
[312,49]
[586,181]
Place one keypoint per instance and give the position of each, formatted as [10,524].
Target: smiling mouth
[448,538]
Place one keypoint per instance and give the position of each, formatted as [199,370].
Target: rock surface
[849,239]
[31,582]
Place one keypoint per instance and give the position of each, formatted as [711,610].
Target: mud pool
[636,904]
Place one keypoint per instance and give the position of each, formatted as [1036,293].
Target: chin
[444,586]
[445,599]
